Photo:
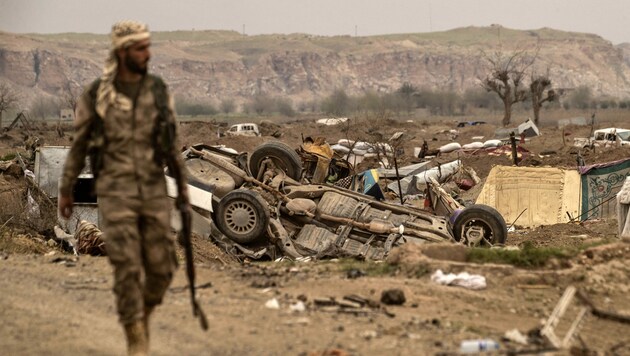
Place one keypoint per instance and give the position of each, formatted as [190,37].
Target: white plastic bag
[464,279]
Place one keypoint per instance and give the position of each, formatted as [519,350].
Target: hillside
[216,65]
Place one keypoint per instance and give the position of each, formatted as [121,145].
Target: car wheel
[480,225]
[283,156]
[242,216]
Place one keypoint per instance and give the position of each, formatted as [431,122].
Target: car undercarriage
[267,206]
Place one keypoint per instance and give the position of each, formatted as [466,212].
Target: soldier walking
[125,122]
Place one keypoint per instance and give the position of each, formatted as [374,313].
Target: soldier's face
[137,57]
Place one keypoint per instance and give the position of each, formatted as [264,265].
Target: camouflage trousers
[141,249]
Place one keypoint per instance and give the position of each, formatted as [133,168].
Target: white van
[605,137]
[247,129]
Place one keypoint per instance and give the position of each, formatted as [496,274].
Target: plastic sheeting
[463,279]
[411,184]
[623,209]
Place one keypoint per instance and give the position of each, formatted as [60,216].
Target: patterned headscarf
[124,34]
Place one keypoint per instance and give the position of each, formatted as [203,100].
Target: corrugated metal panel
[49,161]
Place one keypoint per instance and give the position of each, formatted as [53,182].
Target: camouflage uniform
[132,199]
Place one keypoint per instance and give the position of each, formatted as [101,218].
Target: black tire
[283,156]
[481,217]
[242,216]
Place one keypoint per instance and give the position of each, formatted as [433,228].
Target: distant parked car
[605,137]
[247,129]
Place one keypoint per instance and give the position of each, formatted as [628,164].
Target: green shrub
[528,256]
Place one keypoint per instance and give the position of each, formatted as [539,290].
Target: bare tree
[70,96]
[406,92]
[507,73]
[44,107]
[337,104]
[8,99]
[537,89]
[228,106]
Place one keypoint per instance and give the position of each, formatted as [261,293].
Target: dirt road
[53,305]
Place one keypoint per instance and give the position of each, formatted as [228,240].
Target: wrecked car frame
[264,210]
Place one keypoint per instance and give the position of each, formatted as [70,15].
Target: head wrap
[124,34]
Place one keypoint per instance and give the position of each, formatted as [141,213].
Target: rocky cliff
[217,65]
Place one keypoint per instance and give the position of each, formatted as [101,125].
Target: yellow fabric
[545,194]
[319,147]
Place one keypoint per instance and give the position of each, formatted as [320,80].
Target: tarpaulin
[534,195]
[370,184]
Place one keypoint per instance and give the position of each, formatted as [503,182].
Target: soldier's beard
[135,67]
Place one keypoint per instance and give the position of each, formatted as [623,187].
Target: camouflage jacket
[129,167]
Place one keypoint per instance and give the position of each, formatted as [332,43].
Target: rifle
[184,238]
[164,139]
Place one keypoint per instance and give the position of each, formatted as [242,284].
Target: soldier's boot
[137,343]
[145,320]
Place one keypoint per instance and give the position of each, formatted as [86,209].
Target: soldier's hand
[65,206]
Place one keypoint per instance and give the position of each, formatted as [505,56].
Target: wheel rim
[277,162]
[476,232]
[241,217]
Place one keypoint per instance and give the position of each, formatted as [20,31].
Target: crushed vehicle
[267,206]
[604,137]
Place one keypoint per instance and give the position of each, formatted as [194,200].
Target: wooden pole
[514,152]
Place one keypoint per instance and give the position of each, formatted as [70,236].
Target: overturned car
[267,206]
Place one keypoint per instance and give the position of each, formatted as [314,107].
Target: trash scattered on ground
[297,307]
[480,345]
[515,335]
[67,261]
[463,279]
[351,304]
[272,304]
[539,293]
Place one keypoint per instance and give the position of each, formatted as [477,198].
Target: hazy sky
[607,18]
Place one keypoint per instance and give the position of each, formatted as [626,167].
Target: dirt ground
[56,304]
